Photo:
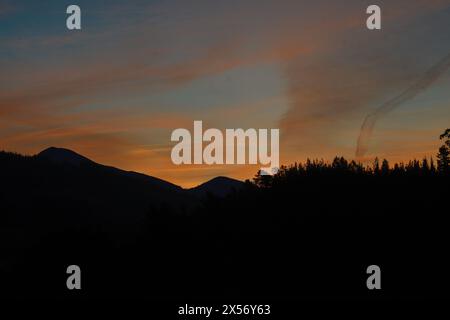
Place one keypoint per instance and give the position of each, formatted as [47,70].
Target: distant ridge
[219,186]
[66,156]
[61,155]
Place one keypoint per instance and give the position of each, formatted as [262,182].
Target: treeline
[343,167]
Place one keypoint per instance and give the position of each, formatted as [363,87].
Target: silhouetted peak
[218,186]
[222,180]
[61,155]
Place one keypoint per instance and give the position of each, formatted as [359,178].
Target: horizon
[365,164]
[115,90]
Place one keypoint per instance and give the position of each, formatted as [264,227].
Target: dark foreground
[308,235]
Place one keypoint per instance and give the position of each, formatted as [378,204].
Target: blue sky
[137,70]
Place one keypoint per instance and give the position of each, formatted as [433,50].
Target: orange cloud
[351,70]
[330,68]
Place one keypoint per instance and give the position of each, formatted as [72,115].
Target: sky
[137,70]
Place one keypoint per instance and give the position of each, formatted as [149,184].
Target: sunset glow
[115,90]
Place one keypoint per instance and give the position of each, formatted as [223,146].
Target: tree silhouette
[328,210]
[443,157]
[432,167]
[376,166]
[261,180]
[384,167]
[446,136]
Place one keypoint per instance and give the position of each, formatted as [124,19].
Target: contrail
[423,83]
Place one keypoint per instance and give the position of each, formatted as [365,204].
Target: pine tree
[425,166]
[263,181]
[432,167]
[376,166]
[443,157]
[385,167]
[446,136]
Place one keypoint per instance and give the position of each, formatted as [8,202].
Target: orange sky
[115,90]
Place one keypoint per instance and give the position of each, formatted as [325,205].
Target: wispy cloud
[88,90]
[6,8]
[354,70]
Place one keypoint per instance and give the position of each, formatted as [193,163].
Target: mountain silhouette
[219,187]
[61,155]
[60,184]
[160,241]
[69,177]
[68,157]
[59,189]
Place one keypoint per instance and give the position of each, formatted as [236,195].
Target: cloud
[333,69]
[6,8]
[350,71]
[429,77]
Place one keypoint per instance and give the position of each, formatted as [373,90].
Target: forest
[308,232]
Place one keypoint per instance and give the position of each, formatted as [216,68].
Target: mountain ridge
[63,155]
[218,186]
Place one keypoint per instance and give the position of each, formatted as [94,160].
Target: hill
[219,187]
